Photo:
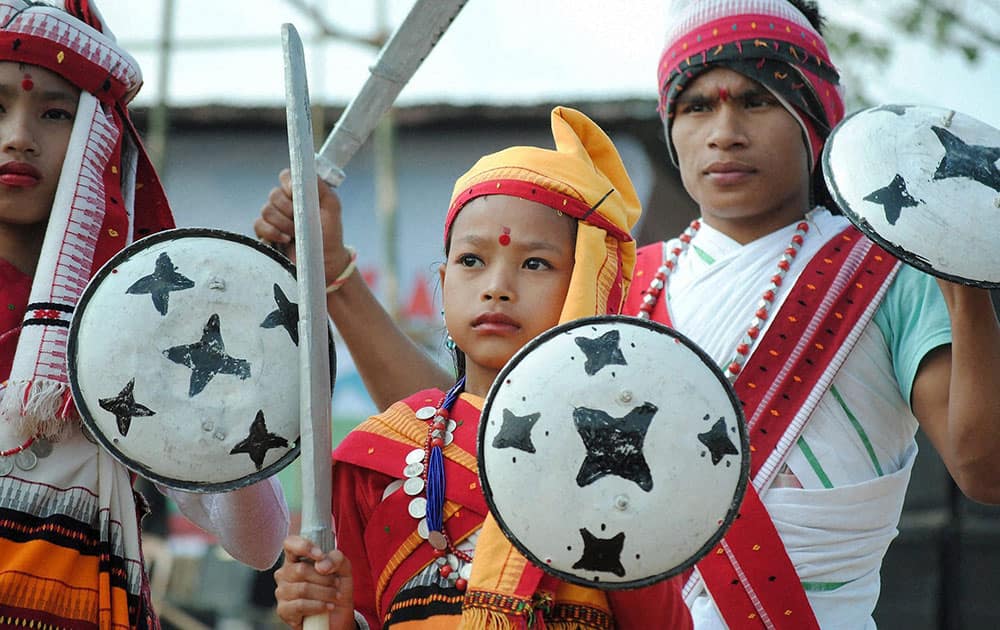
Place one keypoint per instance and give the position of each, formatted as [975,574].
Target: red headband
[533,192]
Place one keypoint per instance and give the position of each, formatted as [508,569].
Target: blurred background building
[212,114]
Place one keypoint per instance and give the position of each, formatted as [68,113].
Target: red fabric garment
[656,606]
[14,289]
[356,494]
[647,260]
[370,530]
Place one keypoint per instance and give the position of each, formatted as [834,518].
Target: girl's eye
[469,260]
[536,264]
[58,114]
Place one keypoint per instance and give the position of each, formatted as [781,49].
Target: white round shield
[923,183]
[183,359]
[613,452]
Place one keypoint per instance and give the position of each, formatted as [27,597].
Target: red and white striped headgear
[108,194]
[769,41]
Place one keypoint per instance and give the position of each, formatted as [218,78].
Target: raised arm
[956,394]
[391,364]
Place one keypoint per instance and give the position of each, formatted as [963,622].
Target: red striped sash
[749,574]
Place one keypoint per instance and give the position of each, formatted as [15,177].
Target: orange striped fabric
[69,544]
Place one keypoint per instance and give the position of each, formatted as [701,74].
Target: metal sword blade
[314,372]
[398,60]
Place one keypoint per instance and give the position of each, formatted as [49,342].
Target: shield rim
[911,258]
[84,411]
[741,485]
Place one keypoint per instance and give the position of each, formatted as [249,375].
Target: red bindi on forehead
[27,83]
[723,94]
[504,238]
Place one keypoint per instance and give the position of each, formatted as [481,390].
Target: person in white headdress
[75,188]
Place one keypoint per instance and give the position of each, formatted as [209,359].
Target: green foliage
[966,27]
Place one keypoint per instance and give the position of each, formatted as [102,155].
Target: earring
[449,343]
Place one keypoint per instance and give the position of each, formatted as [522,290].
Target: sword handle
[316,622]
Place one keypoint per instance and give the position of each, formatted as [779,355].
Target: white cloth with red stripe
[835,536]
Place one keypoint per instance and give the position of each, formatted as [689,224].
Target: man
[837,352]
[75,188]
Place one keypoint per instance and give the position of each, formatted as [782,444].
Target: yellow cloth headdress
[584,178]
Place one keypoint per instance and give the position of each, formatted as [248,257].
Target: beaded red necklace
[659,283]
[24,456]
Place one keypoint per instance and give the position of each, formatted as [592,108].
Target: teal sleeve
[914,320]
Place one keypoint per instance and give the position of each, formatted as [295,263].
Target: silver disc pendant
[425,413]
[465,571]
[413,486]
[26,459]
[41,447]
[6,465]
[437,540]
[413,470]
[418,507]
[416,456]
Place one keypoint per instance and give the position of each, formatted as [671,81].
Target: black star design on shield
[259,441]
[717,441]
[893,198]
[899,110]
[515,432]
[601,554]
[614,445]
[601,351]
[160,283]
[286,315]
[967,160]
[207,357]
[124,407]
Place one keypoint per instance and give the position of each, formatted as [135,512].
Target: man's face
[742,155]
[37,109]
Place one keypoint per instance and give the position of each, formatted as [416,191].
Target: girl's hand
[310,582]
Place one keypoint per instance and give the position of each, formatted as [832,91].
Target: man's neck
[747,230]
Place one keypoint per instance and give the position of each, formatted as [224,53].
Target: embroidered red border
[749,574]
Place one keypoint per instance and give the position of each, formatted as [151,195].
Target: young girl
[533,237]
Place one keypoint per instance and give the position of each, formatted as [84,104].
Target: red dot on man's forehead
[27,84]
